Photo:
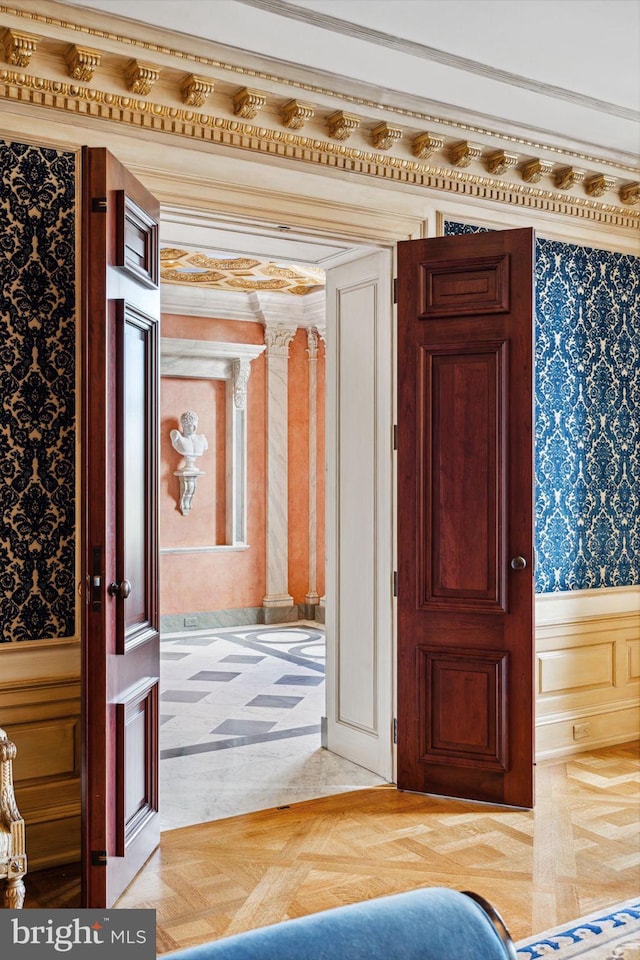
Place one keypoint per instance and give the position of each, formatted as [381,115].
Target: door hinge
[99,205]
[395,436]
[395,583]
[98,858]
[395,730]
[395,289]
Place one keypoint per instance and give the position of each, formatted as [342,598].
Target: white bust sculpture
[188,443]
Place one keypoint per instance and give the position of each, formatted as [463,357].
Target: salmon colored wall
[197,582]
[200,582]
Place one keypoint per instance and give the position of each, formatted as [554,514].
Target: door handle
[121,590]
[517,563]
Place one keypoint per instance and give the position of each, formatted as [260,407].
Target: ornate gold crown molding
[383,136]
[500,161]
[181,122]
[426,144]
[82,63]
[630,193]
[534,170]
[568,177]
[196,90]
[461,154]
[247,103]
[295,114]
[19,47]
[141,77]
[599,185]
[341,125]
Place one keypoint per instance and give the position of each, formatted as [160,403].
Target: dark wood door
[121,309]
[465,516]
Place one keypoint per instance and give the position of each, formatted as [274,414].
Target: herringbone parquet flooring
[577,851]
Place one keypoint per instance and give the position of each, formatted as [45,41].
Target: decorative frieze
[195,90]
[599,185]
[630,193]
[82,62]
[140,77]
[247,103]
[295,114]
[341,125]
[425,144]
[534,170]
[383,136]
[19,47]
[568,177]
[500,162]
[463,153]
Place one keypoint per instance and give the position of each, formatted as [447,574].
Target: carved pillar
[312,599]
[277,337]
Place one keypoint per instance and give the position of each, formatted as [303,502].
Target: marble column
[311,598]
[277,337]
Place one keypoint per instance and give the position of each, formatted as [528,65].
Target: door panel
[121,309]
[359,511]
[465,509]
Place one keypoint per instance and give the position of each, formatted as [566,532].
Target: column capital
[277,337]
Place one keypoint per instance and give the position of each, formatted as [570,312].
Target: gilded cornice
[500,162]
[383,136]
[43,21]
[599,185]
[182,122]
[141,77]
[463,153]
[295,114]
[630,193]
[196,90]
[426,144]
[19,47]
[82,63]
[247,103]
[568,177]
[534,170]
[341,125]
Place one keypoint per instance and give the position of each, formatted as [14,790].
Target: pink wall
[199,582]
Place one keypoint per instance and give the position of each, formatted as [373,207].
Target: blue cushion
[430,924]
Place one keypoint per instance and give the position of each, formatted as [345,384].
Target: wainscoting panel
[587,670]
[42,717]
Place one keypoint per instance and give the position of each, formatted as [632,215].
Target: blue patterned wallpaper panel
[37,382]
[587,429]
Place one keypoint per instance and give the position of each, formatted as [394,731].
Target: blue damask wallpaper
[587,429]
[37,382]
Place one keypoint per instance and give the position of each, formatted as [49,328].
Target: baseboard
[239,616]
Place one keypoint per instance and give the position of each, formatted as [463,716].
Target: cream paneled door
[359,512]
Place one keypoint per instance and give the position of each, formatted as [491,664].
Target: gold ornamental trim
[82,63]
[500,162]
[247,103]
[341,125]
[32,16]
[383,136]
[196,90]
[295,114]
[630,193]
[141,77]
[534,170]
[181,122]
[425,144]
[461,154]
[568,177]
[599,185]
[19,47]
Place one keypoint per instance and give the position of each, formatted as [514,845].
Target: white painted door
[359,512]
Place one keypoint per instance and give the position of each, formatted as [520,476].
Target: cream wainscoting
[587,669]
[40,706]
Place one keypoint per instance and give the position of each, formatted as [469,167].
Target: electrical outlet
[581,731]
[191,621]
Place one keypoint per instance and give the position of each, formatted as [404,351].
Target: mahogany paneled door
[465,516]
[121,310]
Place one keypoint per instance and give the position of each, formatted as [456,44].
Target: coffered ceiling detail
[240,274]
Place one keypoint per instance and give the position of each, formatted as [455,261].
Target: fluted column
[277,337]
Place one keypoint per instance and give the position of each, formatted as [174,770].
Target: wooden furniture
[13,858]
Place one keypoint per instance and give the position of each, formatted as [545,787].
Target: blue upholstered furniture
[430,924]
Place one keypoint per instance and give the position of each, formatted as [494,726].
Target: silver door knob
[121,590]
[518,563]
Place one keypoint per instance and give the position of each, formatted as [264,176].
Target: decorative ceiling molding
[82,62]
[238,273]
[19,47]
[480,169]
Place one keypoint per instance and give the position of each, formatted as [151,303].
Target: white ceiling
[567,69]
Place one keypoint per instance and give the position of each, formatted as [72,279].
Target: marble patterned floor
[240,713]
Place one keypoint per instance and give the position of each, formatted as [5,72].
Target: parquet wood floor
[578,851]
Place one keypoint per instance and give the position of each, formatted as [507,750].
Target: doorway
[219,729]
